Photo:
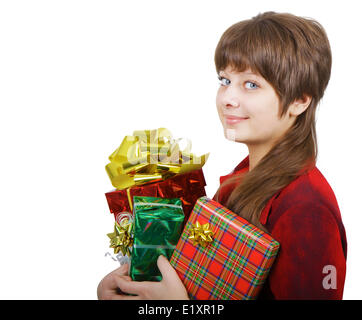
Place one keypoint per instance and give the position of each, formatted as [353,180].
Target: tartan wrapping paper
[234,266]
[188,187]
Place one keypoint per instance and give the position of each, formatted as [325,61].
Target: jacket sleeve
[311,262]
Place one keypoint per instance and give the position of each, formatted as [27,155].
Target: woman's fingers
[174,288]
[163,265]
[111,279]
[166,269]
[133,287]
[125,297]
[108,288]
[122,270]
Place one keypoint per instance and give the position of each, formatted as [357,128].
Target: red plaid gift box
[234,265]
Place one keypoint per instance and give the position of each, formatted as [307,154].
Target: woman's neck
[256,153]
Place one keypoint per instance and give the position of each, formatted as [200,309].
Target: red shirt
[304,218]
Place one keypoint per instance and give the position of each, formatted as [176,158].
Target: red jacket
[305,218]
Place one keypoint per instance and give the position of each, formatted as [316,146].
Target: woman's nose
[230,98]
[231,104]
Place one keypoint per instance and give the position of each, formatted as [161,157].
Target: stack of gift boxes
[160,208]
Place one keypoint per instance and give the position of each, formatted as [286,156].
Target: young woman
[273,71]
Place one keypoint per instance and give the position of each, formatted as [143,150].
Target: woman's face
[248,108]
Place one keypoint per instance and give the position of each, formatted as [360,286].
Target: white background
[77,76]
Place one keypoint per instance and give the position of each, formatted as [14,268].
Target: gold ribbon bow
[121,239]
[201,234]
[149,156]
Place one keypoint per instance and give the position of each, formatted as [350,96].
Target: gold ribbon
[129,199]
[201,234]
[121,238]
[150,156]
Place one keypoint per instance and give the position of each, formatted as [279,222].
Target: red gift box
[188,187]
[235,260]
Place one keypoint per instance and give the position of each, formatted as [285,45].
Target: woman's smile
[234,119]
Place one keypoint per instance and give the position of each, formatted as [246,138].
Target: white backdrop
[77,76]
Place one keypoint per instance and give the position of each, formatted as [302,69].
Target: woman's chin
[231,134]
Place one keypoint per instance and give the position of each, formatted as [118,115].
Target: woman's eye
[223,81]
[254,85]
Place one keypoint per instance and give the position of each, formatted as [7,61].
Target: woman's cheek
[220,115]
[259,129]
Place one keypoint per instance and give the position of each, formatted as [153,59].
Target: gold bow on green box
[121,239]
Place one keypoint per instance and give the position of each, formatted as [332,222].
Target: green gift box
[157,229]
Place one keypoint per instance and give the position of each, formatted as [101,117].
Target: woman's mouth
[234,119]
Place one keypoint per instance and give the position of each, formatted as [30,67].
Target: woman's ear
[299,106]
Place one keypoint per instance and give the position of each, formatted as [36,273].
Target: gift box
[150,163]
[188,187]
[221,256]
[157,229]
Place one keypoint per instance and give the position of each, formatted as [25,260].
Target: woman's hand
[108,288]
[169,288]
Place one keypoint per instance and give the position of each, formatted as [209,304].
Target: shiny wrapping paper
[188,187]
[152,163]
[221,256]
[150,156]
[157,229]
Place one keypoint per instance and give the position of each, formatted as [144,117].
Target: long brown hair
[293,54]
